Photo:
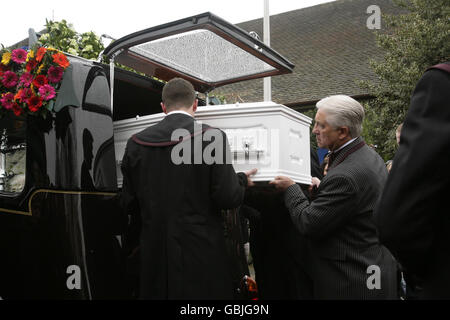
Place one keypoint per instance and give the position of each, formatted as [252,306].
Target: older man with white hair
[345,259]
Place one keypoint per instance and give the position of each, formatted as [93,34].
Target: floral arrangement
[29,80]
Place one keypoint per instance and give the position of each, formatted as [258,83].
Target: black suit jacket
[414,215]
[183,253]
[342,239]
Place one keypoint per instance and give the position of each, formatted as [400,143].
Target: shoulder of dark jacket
[161,134]
[445,66]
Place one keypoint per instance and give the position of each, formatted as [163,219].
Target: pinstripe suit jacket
[340,230]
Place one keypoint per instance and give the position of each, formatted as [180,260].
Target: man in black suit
[179,189]
[413,214]
[277,247]
[344,257]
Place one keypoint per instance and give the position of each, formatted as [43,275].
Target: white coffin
[263,135]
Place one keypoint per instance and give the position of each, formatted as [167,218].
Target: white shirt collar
[346,144]
[179,111]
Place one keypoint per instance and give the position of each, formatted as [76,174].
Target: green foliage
[415,41]
[218,98]
[61,35]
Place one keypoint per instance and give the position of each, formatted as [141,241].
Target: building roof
[25,42]
[330,45]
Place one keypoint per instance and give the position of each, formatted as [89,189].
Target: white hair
[343,111]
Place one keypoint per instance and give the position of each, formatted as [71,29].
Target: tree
[415,41]
[62,36]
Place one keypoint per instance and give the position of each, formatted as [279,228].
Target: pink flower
[55,74]
[26,79]
[19,56]
[7,100]
[47,92]
[10,79]
[25,94]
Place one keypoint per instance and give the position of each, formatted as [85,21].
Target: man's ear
[163,107]
[195,105]
[344,132]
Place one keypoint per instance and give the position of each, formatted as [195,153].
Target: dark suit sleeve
[334,205]
[130,205]
[227,187]
[415,193]
[128,199]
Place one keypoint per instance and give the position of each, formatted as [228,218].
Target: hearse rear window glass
[204,55]
[204,49]
[12,154]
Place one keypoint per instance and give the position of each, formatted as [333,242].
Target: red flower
[40,81]
[19,56]
[17,109]
[24,94]
[10,79]
[18,95]
[40,54]
[26,79]
[34,103]
[55,74]
[31,65]
[60,59]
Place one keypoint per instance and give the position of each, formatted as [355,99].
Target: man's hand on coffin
[315,182]
[249,173]
[281,183]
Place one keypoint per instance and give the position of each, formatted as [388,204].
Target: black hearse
[62,232]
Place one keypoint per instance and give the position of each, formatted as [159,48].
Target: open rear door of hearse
[203,49]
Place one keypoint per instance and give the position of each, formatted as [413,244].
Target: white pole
[267,80]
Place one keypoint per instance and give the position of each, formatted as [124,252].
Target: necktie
[331,158]
[326,162]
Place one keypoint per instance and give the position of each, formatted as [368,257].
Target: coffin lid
[203,49]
